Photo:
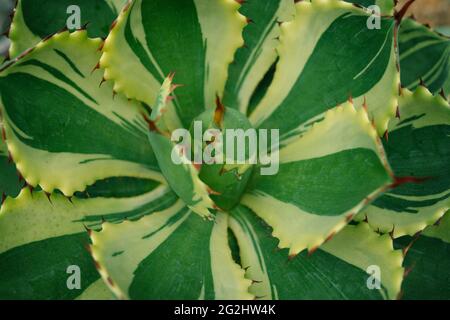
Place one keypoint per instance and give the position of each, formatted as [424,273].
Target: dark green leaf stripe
[63,131]
[428,262]
[418,149]
[36,19]
[311,78]
[325,177]
[204,36]
[335,271]
[41,237]
[10,184]
[171,254]
[424,56]
[252,61]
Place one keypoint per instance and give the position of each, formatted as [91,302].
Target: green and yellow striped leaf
[42,236]
[62,130]
[337,270]
[427,261]
[325,177]
[326,55]
[10,184]
[418,149]
[424,57]
[36,19]
[170,254]
[184,177]
[197,39]
[252,61]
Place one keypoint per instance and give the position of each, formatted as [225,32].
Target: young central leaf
[226,145]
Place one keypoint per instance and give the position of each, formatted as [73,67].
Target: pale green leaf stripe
[325,177]
[63,131]
[418,148]
[41,238]
[171,254]
[424,56]
[137,54]
[36,19]
[252,61]
[428,262]
[335,271]
[326,55]
[10,184]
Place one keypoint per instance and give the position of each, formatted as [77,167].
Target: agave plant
[357,204]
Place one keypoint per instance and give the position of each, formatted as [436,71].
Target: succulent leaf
[10,183]
[424,57]
[156,257]
[34,20]
[418,149]
[325,177]
[63,131]
[42,235]
[252,61]
[326,56]
[427,263]
[205,35]
[335,271]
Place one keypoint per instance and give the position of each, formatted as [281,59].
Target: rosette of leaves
[87,123]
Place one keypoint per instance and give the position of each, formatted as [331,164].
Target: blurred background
[434,12]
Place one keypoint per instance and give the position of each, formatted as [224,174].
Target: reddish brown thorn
[246,268]
[365,104]
[219,112]
[350,98]
[421,82]
[398,15]
[113,24]
[102,82]
[100,48]
[366,219]
[256,281]
[312,250]
[88,248]
[442,94]
[30,187]
[349,217]
[171,75]
[127,6]
[398,181]
[292,256]
[241,2]
[110,281]
[20,176]
[197,166]
[97,66]
[330,237]
[48,196]
[70,199]
[97,265]
[249,20]
[279,23]
[391,233]
[397,113]
[211,191]
[114,94]
[386,135]
[408,271]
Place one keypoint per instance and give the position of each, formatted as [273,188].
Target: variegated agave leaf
[34,20]
[427,262]
[424,57]
[418,149]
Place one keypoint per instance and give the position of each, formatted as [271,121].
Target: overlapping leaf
[63,131]
[427,262]
[43,235]
[326,55]
[337,270]
[418,149]
[195,38]
[424,57]
[170,254]
[325,177]
[36,19]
